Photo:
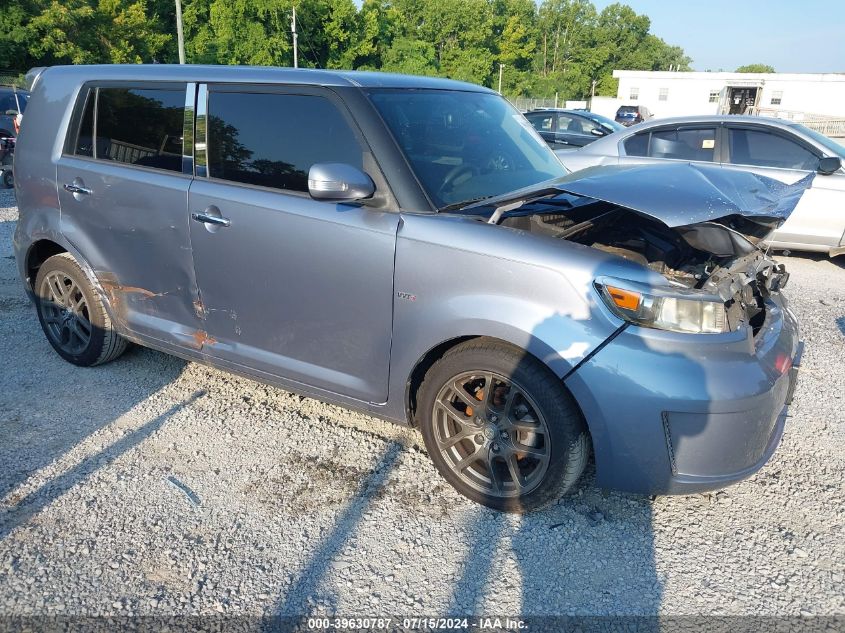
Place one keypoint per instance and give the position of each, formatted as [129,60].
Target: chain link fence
[12,78]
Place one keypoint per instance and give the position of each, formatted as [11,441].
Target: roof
[714,118]
[259,74]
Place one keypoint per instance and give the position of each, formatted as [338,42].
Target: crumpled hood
[683,194]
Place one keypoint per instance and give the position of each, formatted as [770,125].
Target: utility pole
[293,32]
[179,35]
[501,70]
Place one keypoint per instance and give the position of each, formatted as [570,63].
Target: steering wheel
[453,175]
[499,161]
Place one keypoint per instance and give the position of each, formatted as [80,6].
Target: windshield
[835,148]
[626,110]
[465,146]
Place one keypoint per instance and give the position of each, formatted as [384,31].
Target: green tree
[756,68]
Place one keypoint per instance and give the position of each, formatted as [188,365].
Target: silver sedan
[776,148]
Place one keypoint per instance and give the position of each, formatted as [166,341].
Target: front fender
[509,285]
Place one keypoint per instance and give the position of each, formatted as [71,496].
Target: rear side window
[135,126]
[698,144]
[762,149]
[271,139]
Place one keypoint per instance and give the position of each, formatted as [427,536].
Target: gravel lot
[309,508]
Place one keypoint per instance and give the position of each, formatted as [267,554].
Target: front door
[123,197]
[290,286]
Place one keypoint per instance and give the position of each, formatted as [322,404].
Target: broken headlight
[677,310]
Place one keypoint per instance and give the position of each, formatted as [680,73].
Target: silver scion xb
[411,248]
[775,148]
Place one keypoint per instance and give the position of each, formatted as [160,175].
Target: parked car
[632,114]
[563,129]
[12,105]
[775,148]
[409,247]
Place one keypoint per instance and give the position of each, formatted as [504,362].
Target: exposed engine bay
[718,258]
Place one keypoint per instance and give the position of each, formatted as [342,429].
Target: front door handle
[74,187]
[211,219]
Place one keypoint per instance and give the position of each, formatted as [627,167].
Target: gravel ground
[308,508]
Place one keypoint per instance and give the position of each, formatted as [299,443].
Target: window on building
[777,96]
[272,140]
[763,149]
[663,95]
[683,144]
[635,94]
[714,96]
[134,126]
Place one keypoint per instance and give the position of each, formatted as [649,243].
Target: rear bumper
[677,414]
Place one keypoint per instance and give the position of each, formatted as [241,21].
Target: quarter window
[135,126]
[637,145]
[272,140]
[762,149]
[685,144]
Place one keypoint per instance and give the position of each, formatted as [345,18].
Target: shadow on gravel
[30,505]
[319,564]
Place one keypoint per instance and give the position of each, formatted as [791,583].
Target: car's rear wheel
[72,314]
[8,179]
[500,427]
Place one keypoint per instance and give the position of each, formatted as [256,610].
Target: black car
[632,114]
[570,128]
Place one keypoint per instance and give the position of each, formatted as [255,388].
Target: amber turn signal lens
[625,299]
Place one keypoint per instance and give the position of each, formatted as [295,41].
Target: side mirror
[339,182]
[12,113]
[829,164]
[597,131]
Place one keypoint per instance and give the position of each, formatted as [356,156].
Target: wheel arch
[38,253]
[434,354]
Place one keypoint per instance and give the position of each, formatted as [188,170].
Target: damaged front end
[700,228]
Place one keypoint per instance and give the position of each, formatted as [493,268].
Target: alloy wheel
[65,313]
[491,434]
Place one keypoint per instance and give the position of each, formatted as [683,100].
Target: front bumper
[677,413]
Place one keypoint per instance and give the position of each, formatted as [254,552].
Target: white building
[793,96]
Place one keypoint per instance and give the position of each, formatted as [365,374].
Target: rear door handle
[72,187]
[211,219]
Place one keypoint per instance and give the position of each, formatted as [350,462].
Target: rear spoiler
[32,76]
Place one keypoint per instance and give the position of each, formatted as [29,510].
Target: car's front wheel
[500,427]
[72,314]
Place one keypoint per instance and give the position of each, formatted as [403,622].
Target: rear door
[688,143]
[123,194]
[819,218]
[292,287]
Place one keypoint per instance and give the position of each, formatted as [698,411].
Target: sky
[799,36]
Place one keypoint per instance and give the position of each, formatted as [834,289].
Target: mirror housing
[829,165]
[12,113]
[339,182]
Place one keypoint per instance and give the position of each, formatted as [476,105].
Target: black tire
[63,327]
[563,447]
[8,179]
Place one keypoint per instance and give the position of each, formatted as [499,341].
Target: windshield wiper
[463,203]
